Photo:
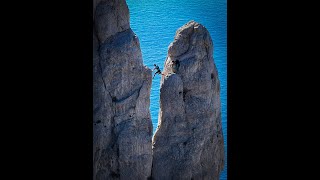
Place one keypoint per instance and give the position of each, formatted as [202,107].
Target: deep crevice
[185,91]
[114,175]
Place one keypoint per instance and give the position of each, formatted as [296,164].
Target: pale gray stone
[110,17]
[122,128]
[188,143]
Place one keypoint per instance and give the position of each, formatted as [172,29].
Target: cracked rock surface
[188,143]
[122,127]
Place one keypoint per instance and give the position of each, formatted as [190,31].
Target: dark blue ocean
[155,23]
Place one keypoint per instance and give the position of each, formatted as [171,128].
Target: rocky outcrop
[122,128]
[188,143]
[111,17]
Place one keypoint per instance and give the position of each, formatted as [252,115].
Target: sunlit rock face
[188,143]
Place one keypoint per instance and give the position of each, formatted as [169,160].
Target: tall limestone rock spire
[122,128]
[188,143]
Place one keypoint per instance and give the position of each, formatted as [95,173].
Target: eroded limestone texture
[188,143]
[122,128]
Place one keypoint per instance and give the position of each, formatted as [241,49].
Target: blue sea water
[155,23]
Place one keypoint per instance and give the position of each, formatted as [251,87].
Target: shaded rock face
[122,128]
[188,143]
[111,17]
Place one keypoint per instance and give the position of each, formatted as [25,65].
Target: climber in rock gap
[156,67]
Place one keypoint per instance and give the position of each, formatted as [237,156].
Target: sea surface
[155,23]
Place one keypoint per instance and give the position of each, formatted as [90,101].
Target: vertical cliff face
[122,128]
[188,143]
